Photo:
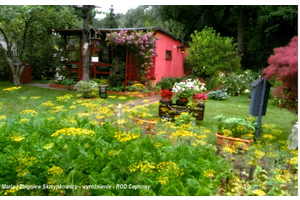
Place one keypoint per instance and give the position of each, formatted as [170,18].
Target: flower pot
[183,99]
[240,143]
[152,83]
[166,99]
[148,124]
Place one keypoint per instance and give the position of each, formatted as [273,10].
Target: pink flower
[180,91]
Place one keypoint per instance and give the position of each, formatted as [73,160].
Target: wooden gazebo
[105,54]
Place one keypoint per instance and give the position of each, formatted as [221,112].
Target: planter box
[223,140]
[176,109]
[145,123]
[54,85]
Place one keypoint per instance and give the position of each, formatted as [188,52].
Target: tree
[87,15]
[284,66]
[17,23]
[209,53]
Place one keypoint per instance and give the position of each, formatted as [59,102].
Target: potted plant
[200,98]
[69,83]
[98,46]
[153,81]
[235,131]
[187,88]
[95,58]
[166,95]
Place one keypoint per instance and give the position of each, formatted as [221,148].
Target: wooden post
[80,59]
[261,109]
[126,67]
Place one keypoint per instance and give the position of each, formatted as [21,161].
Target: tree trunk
[85,46]
[240,31]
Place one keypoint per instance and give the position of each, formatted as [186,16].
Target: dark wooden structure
[25,76]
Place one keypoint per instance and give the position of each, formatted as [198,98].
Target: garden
[60,143]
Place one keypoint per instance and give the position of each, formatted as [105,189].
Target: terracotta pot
[183,99]
[166,99]
[223,140]
[148,124]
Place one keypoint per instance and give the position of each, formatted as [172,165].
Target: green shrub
[165,83]
[117,73]
[68,82]
[87,89]
[219,95]
[209,53]
[237,84]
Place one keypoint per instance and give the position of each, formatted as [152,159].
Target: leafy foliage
[284,66]
[209,52]
[117,73]
[218,94]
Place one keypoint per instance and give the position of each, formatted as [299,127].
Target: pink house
[170,59]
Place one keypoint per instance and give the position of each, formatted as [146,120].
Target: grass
[230,107]
[13,103]
[238,106]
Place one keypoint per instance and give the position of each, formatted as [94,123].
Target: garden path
[136,102]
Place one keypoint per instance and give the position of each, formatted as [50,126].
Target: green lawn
[238,106]
[30,97]
[231,107]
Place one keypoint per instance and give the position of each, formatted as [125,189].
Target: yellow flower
[228,148]
[161,132]
[35,97]
[55,170]
[72,107]
[16,138]
[12,88]
[64,98]
[207,130]
[12,190]
[209,173]
[122,97]
[227,133]
[33,112]
[163,180]
[2,117]
[259,154]
[83,114]
[73,132]
[158,144]
[259,192]
[240,128]
[113,97]
[123,137]
[48,146]
[271,137]
[24,120]
[48,103]
[293,161]
[146,101]
[23,98]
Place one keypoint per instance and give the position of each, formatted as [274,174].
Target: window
[168,55]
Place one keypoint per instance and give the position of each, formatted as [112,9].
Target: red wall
[168,68]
